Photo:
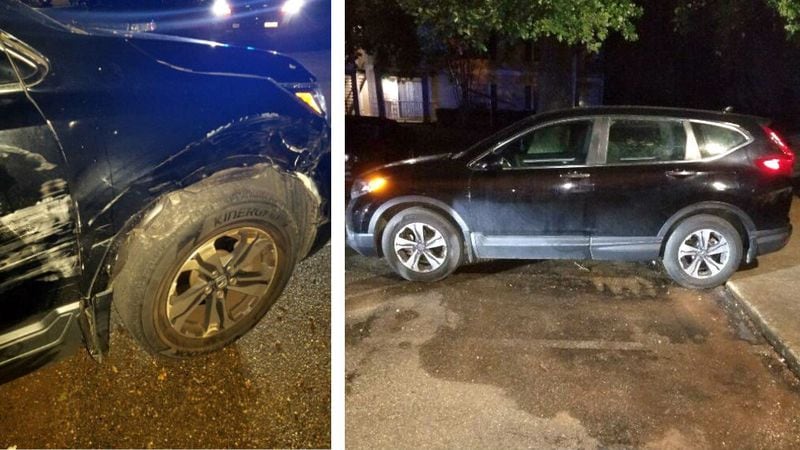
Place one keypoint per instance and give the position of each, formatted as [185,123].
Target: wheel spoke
[401,243]
[188,299]
[687,250]
[718,248]
[705,239]
[211,263]
[241,249]
[694,267]
[255,290]
[419,232]
[262,276]
[194,265]
[414,260]
[713,266]
[212,318]
[258,245]
[433,260]
[179,320]
[435,242]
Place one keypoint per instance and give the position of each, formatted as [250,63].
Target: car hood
[413,162]
[196,55]
[413,165]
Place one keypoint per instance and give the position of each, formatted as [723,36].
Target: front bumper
[363,243]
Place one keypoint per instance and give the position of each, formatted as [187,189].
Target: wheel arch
[115,247]
[733,214]
[386,211]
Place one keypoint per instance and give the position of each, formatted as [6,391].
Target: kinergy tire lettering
[238,214]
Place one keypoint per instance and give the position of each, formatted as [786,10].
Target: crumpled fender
[290,145]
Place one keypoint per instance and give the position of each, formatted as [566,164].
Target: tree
[466,27]
[384,30]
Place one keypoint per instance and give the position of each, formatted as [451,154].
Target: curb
[791,358]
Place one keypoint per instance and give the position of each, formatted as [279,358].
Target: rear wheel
[703,252]
[421,245]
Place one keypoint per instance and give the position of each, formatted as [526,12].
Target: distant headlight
[221,8]
[292,7]
[310,95]
[367,185]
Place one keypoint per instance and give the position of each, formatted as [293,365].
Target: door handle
[681,173]
[575,175]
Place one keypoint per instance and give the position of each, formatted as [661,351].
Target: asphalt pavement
[557,354]
[269,389]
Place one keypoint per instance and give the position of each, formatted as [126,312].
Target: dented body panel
[114,124]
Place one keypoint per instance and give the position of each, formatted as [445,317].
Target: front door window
[560,144]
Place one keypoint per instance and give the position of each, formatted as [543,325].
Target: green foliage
[789,10]
[469,24]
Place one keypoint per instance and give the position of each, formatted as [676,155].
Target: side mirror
[490,163]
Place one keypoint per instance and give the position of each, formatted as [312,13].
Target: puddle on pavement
[630,358]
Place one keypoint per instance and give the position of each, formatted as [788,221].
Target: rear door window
[714,140]
[639,140]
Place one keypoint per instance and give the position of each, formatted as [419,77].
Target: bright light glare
[221,8]
[291,7]
[774,164]
[376,184]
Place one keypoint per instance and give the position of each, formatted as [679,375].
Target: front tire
[703,252]
[421,245]
[208,267]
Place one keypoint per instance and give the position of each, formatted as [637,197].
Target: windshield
[13,11]
[501,135]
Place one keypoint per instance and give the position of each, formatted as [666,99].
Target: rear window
[714,140]
[632,141]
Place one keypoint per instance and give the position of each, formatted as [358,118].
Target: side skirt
[636,248]
[34,345]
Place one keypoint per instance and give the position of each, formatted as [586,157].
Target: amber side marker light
[309,99]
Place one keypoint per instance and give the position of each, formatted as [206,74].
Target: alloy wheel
[704,253]
[420,247]
[221,282]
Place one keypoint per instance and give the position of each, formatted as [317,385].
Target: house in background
[505,81]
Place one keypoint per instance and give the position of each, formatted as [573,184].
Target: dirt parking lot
[557,354]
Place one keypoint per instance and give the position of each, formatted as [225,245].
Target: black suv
[179,179]
[701,190]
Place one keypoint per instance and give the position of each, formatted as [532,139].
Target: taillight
[780,163]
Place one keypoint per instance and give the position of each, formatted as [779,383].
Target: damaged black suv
[180,179]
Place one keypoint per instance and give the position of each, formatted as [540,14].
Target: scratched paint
[36,241]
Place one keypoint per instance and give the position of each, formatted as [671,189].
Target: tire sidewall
[448,231]
[682,231]
[169,239]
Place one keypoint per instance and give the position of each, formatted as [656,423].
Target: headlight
[221,8]
[367,185]
[310,95]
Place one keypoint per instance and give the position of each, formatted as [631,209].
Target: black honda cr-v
[181,179]
[703,191]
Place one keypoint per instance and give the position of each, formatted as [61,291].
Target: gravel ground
[557,354]
[270,389]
